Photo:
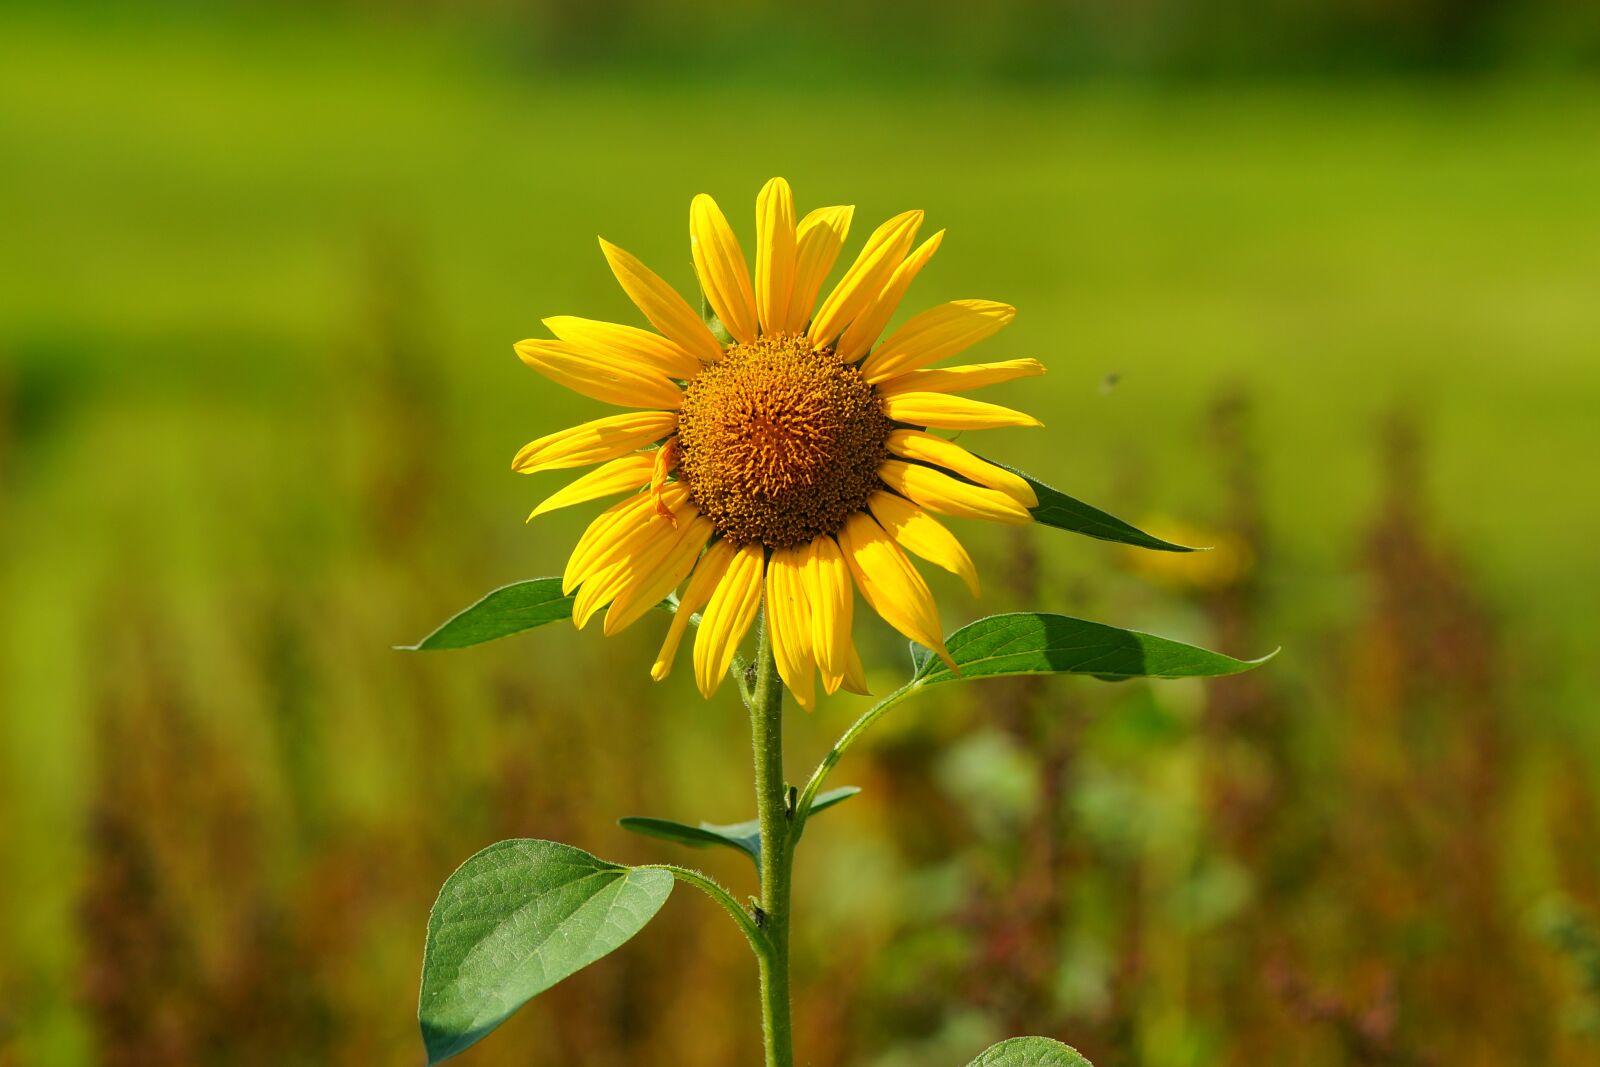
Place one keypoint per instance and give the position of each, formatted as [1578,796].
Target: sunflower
[781,452]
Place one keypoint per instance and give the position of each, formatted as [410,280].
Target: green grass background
[202,381]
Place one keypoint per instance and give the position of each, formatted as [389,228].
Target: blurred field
[257,404]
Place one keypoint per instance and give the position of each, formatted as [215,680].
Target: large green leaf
[1057,509]
[1034,643]
[508,610]
[743,836]
[513,921]
[1030,1052]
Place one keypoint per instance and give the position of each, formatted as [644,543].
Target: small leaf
[1031,643]
[511,609]
[743,836]
[1030,1052]
[1064,513]
[514,920]
[508,610]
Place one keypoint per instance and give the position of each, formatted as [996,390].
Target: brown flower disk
[780,442]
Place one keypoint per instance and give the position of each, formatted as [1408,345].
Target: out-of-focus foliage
[261,272]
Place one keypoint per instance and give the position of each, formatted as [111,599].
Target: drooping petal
[915,444]
[945,412]
[959,379]
[652,584]
[890,584]
[939,492]
[789,619]
[728,615]
[661,304]
[618,476]
[775,255]
[864,331]
[818,241]
[935,334]
[594,441]
[920,533]
[724,277]
[707,575]
[866,277]
[603,376]
[628,342]
[827,585]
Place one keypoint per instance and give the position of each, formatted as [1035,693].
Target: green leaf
[508,610]
[743,836]
[1064,513]
[1033,643]
[511,609]
[514,920]
[1030,1052]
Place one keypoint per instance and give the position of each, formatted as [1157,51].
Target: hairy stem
[777,852]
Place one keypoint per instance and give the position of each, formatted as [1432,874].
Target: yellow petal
[652,584]
[918,532]
[775,252]
[617,532]
[627,342]
[960,379]
[855,676]
[915,444]
[890,584]
[707,575]
[724,277]
[818,240]
[602,376]
[935,334]
[633,556]
[945,412]
[618,476]
[866,277]
[597,590]
[939,492]
[827,586]
[728,615]
[789,619]
[864,331]
[594,441]
[661,304]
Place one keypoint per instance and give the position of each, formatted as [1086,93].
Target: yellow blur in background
[1318,282]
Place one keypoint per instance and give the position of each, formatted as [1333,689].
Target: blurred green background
[1318,282]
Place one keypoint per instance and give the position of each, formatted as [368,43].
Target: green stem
[802,808]
[777,853]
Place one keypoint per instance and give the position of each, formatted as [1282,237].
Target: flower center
[779,442]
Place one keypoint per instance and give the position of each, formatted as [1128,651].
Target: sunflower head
[790,466]
[780,442]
